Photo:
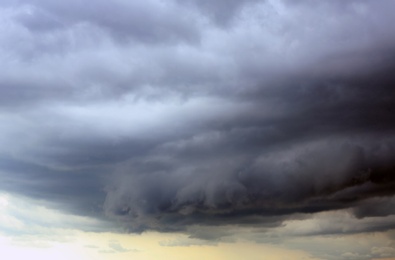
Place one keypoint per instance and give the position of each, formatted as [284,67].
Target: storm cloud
[170,115]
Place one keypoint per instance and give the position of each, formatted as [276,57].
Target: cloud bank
[168,115]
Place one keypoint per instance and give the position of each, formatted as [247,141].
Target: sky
[197,129]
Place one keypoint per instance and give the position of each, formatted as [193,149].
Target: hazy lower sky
[197,129]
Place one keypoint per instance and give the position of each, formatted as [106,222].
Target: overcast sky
[270,122]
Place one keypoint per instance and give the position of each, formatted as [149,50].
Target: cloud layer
[169,115]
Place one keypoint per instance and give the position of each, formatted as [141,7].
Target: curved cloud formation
[170,115]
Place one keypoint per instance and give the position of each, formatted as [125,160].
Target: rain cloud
[170,115]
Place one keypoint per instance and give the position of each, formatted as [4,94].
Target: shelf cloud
[170,115]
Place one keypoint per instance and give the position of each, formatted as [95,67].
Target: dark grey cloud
[376,207]
[151,22]
[306,178]
[62,186]
[222,13]
[173,115]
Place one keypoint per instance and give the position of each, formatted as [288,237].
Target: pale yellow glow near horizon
[21,239]
[29,230]
[60,251]
[147,246]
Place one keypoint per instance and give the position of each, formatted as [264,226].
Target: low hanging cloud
[306,178]
[167,116]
